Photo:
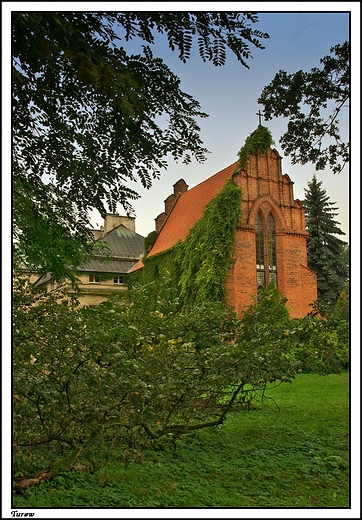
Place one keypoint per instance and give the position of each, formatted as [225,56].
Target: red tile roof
[137,266]
[188,210]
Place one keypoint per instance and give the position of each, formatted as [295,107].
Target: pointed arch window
[266,254]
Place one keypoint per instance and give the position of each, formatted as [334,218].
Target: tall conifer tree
[326,252]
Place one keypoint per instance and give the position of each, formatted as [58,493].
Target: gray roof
[107,266]
[124,243]
[126,247]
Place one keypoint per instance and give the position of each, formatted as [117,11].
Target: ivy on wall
[209,248]
[258,142]
[199,265]
[150,239]
[155,266]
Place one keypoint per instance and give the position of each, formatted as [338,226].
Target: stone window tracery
[265,246]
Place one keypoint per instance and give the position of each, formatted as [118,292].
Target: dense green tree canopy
[313,101]
[88,117]
[326,252]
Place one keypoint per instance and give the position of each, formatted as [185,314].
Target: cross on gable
[260,116]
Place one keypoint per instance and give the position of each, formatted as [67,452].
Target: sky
[228,94]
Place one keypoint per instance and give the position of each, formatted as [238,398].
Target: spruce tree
[326,252]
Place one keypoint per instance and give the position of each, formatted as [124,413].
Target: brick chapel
[270,238]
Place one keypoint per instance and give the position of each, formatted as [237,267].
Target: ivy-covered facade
[235,233]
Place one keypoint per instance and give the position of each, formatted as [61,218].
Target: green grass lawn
[298,457]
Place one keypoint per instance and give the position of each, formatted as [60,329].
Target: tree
[313,101]
[136,368]
[88,117]
[142,368]
[326,252]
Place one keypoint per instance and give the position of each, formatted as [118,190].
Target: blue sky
[229,95]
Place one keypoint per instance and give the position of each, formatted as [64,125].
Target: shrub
[141,367]
[135,368]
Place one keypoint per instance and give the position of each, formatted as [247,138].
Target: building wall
[95,293]
[266,190]
[111,221]
[114,220]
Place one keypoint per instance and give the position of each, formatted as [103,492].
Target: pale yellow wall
[104,284]
[95,293]
[97,233]
[113,220]
[91,293]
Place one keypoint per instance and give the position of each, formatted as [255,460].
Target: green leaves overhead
[41,219]
[313,101]
[215,32]
[86,112]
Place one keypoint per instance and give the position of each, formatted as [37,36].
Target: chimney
[159,221]
[114,220]
[169,202]
[180,187]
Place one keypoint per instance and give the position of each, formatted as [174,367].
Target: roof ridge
[115,229]
[211,177]
[193,201]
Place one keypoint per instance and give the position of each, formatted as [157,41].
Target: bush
[139,367]
[323,338]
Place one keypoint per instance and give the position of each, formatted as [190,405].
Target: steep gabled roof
[124,243]
[188,210]
[126,247]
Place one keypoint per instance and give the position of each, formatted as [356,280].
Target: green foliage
[317,343]
[208,251]
[150,240]
[269,335]
[298,457]
[141,367]
[215,32]
[87,112]
[323,338]
[46,239]
[313,101]
[258,142]
[327,254]
[318,349]
[336,318]
[134,369]
[165,263]
[199,265]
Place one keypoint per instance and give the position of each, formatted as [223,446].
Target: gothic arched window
[266,254]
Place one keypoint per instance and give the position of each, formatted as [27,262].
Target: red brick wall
[267,190]
[242,289]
